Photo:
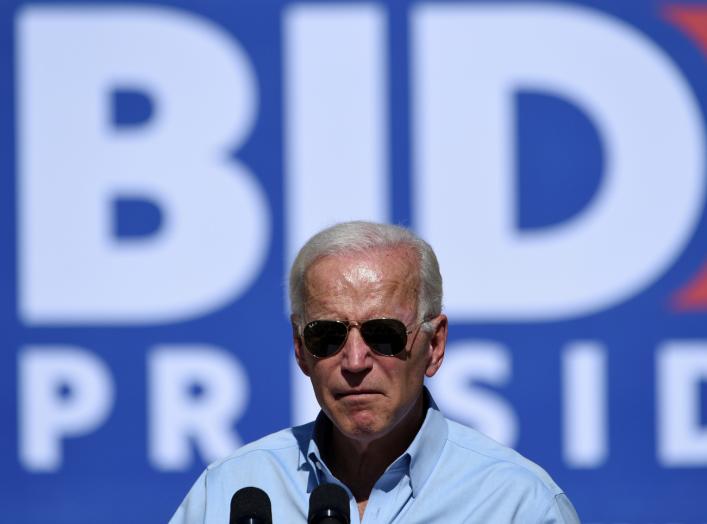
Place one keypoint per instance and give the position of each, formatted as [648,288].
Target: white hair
[359,236]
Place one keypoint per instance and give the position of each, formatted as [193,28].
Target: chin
[359,426]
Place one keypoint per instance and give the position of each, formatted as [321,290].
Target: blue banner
[163,162]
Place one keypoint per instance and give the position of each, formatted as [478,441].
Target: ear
[436,345]
[299,349]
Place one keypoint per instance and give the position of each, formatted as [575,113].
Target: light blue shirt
[450,473]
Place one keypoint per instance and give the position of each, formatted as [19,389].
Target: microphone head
[328,503]
[250,506]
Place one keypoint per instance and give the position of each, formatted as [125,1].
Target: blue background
[106,476]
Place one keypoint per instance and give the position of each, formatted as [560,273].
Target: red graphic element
[693,297]
[692,20]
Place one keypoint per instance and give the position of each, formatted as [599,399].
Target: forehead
[379,277]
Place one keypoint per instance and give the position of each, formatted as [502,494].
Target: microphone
[328,504]
[250,506]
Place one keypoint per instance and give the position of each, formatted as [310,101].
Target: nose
[356,355]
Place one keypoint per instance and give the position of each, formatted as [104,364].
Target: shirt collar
[427,446]
[422,455]
[320,432]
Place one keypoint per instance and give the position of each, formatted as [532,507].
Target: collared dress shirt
[449,474]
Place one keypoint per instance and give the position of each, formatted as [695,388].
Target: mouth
[356,394]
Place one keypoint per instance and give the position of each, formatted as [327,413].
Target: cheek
[318,388]
[415,374]
[399,376]
[320,374]
[304,366]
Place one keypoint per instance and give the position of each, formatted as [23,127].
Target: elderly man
[368,328]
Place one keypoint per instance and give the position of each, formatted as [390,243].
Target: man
[368,328]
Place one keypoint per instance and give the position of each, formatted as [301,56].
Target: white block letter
[681,369]
[584,405]
[469,62]
[73,164]
[336,131]
[47,414]
[485,362]
[336,126]
[197,393]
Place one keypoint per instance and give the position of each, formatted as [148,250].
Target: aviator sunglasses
[385,336]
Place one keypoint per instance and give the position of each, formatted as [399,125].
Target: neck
[359,463]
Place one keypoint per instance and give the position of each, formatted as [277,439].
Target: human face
[367,396]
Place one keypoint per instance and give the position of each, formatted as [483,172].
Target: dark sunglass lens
[386,336]
[324,338]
